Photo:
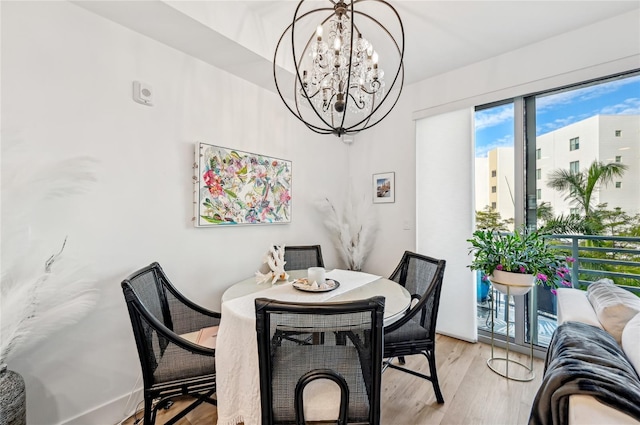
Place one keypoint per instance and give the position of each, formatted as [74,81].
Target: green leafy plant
[522,251]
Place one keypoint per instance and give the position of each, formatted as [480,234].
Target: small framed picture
[384,188]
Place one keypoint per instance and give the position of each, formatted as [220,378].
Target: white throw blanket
[237,368]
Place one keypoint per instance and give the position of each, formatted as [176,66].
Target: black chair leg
[149,413]
[198,401]
[401,360]
[431,357]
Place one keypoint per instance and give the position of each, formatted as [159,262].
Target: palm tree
[580,186]
[544,212]
[568,224]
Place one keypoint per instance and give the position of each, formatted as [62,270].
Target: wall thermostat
[142,93]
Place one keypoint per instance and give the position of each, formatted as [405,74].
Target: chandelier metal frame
[331,106]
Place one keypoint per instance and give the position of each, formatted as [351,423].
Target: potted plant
[520,259]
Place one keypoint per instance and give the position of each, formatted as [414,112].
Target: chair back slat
[344,337]
[302,257]
[422,277]
[414,333]
[149,289]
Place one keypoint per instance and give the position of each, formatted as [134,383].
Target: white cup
[315,274]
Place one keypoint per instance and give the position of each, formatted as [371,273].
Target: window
[546,121]
[494,205]
[574,144]
[574,167]
[618,158]
[618,185]
[494,173]
[494,189]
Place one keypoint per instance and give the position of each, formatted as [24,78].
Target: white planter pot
[515,283]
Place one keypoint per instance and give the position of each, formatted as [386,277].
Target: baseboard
[458,337]
[110,412]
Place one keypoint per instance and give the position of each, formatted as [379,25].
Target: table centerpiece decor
[272,266]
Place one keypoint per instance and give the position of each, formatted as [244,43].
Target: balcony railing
[614,257]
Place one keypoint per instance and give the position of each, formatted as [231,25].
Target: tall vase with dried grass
[353,230]
[39,295]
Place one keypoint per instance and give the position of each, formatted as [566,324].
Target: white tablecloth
[237,369]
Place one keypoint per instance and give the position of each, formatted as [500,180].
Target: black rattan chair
[415,332]
[350,355]
[302,257]
[171,365]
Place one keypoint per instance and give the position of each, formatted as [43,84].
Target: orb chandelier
[338,53]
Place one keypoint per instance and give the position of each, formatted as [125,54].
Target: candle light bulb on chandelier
[319,33]
[339,105]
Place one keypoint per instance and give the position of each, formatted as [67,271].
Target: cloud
[493,116]
[571,97]
[557,123]
[503,142]
[580,95]
[629,106]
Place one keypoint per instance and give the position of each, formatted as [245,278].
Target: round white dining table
[237,368]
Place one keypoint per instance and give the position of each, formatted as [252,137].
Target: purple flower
[559,273]
[566,283]
[499,267]
[542,277]
[554,292]
[570,260]
[485,278]
[522,269]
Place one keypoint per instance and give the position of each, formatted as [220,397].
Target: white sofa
[619,315]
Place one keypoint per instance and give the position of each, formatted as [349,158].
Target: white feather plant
[38,296]
[38,303]
[353,230]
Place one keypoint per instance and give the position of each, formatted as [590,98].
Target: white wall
[389,147]
[481,182]
[597,142]
[627,146]
[66,91]
[505,183]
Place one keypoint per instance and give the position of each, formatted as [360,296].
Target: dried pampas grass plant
[36,303]
[353,230]
[39,294]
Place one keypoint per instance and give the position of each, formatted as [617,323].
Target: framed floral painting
[235,187]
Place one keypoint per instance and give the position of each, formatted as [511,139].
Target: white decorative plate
[303,285]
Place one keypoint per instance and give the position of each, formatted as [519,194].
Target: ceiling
[240,36]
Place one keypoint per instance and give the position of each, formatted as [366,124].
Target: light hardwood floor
[473,394]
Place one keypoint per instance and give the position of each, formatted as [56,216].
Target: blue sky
[494,126]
